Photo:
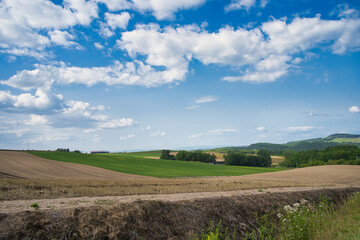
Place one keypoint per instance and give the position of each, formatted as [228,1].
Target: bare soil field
[330,174]
[49,179]
[25,165]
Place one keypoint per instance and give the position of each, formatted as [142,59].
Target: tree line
[346,154]
[189,156]
[261,159]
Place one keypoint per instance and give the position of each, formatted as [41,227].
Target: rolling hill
[303,145]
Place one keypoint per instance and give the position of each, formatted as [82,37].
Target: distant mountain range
[315,143]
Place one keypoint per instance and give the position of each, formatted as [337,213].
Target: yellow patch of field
[277,159]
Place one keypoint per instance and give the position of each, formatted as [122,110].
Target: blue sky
[149,74]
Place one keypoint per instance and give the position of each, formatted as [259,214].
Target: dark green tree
[166,155]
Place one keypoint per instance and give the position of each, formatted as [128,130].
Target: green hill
[137,163]
[303,145]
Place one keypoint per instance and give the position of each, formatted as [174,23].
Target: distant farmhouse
[98,152]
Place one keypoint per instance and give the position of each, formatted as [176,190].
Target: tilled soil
[153,219]
[24,165]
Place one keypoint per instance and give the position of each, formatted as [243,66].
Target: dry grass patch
[276,160]
[13,189]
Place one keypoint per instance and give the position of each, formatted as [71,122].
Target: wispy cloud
[158,133]
[202,100]
[300,128]
[312,113]
[240,4]
[222,132]
[216,132]
[193,136]
[126,137]
[192,107]
[261,129]
[206,99]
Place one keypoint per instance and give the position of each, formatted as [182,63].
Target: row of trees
[261,159]
[66,150]
[346,154]
[189,156]
[63,150]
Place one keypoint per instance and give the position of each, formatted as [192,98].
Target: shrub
[35,205]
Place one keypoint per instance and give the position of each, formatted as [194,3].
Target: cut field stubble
[16,189]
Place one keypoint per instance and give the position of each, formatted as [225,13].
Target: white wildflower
[303,201]
[287,208]
[296,205]
[279,215]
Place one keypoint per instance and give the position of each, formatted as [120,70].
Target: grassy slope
[145,154]
[126,163]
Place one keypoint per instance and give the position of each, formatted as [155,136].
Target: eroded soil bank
[154,219]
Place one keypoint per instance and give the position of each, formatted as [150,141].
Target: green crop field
[346,140]
[129,163]
[156,153]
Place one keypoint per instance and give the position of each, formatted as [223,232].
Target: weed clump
[35,205]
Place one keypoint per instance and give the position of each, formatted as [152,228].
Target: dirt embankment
[154,219]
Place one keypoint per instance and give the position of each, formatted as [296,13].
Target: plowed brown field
[331,174]
[48,179]
[25,165]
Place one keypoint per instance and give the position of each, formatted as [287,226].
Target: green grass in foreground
[302,221]
[127,163]
[320,222]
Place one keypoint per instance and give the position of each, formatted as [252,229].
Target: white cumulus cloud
[98,46]
[130,73]
[23,23]
[165,9]
[43,99]
[116,5]
[354,109]
[263,54]
[36,120]
[117,20]
[62,38]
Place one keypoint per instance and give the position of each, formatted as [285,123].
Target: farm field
[156,153]
[25,165]
[53,179]
[133,164]
[96,197]
[276,160]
